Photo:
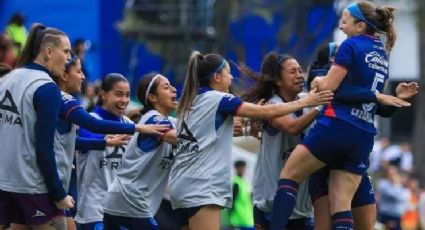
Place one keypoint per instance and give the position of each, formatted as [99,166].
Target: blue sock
[284,203]
[342,220]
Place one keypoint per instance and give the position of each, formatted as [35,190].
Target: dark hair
[265,82]
[108,83]
[18,19]
[75,45]
[322,64]
[38,37]
[72,62]
[200,69]
[141,90]
[239,163]
[382,18]
[4,69]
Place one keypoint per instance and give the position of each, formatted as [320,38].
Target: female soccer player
[200,180]
[280,81]
[363,204]
[31,192]
[100,164]
[362,61]
[136,193]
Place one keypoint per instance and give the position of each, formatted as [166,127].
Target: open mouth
[174,99]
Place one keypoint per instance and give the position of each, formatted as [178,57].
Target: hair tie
[149,87]
[355,11]
[281,58]
[220,67]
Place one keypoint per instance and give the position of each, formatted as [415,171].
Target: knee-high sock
[342,220]
[284,203]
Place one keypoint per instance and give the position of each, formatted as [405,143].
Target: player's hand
[117,140]
[152,129]
[315,98]
[406,90]
[65,203]
[317,82]
[391,100]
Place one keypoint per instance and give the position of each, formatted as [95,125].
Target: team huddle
[314,150]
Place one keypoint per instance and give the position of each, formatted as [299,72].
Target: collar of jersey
[35,66]
[106,115]
[204,89]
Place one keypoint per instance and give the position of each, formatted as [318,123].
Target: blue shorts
[340,145]
[393,221]
[318,187]
[112,222]
[262,221]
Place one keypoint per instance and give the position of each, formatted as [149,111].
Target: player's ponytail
[380,21]
[200,70]
[39,36]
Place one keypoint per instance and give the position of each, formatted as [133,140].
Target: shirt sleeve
[84,133]
[47,102]
[385,110]
[89,144]
[69,103]
[229,104]
[82,118]
[148,142]
[346,53]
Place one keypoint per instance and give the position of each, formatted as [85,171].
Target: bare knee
[300,164]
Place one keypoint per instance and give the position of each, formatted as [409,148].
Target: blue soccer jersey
[367,63]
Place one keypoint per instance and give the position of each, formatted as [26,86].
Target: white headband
[149,87]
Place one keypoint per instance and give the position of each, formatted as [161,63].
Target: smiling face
[164,99]
[291,80]
[74,78]
[116,100]
[350,26]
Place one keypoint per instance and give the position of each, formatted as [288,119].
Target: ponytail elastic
[282,58]
[355,11]
[38,38]
[220,67]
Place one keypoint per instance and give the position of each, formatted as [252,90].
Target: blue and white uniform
[350,127]
[139,186]
[21,92]
[276,146]
[201,173]
[72,114]
[29,180]
[99,169]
